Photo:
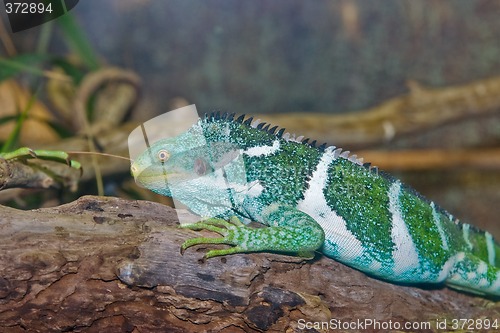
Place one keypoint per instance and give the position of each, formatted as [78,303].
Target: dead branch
[434,159]
[14,174]
[420,110]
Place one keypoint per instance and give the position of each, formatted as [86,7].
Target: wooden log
[110,265]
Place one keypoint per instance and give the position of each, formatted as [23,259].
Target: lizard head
[165,164]
[167,167]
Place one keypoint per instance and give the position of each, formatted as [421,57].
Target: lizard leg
[289,230]
[201,240]
[470,273]
[217,225]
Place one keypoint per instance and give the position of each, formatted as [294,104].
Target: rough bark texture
[111,265]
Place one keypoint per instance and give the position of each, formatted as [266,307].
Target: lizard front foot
[302,238]
[229,231]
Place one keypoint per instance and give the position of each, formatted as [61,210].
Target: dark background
[289,55]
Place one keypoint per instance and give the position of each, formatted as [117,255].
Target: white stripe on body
[465,234]
[405,254]
[439,225]
[334,226]
[490,246]
[263,150]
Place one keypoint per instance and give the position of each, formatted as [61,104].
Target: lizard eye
[200,166]
[163,155]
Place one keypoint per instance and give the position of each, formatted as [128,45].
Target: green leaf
[77,41]
[6,119]
[23,63]
[14,135]
[76,73]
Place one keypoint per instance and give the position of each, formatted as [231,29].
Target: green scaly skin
[313,199]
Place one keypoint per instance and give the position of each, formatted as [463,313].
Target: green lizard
[233,171]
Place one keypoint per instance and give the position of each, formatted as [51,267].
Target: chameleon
[313,198]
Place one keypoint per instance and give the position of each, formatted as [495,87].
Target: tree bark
[112,265]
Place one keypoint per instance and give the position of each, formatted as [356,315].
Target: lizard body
[313,198]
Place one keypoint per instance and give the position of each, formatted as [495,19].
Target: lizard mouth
[135,171]
[149,171]
[154,175]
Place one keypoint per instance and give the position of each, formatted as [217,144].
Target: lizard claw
[224,228]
